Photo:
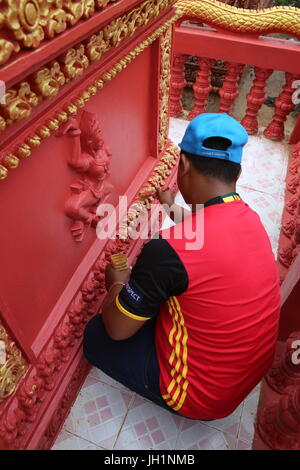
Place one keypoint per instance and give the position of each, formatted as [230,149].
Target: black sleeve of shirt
[158,274]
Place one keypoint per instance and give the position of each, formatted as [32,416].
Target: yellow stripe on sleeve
[129,314]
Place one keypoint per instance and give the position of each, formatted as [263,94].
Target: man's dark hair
[215,167]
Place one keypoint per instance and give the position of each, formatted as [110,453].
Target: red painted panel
[40,254]
[123,107]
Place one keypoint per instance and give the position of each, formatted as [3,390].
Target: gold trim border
[23,150]
[164,91]
[13,369]
[240,20]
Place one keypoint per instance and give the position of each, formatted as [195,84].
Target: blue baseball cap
[215,125]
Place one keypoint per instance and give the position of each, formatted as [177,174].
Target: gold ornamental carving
[26,23]
[12,365]
[165,75]
[19,102]
[146,195]
[46,82]
[277,19]
[23,149]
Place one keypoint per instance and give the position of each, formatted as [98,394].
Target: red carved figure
[255,99]
[90,156]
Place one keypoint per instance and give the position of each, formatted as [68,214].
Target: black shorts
[132,362]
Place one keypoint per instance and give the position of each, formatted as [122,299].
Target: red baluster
[283,106]
[201,87]
[291,229]
[285,371]
[255,100]
[177,85]
[229,90]
[279,424]
[289,242]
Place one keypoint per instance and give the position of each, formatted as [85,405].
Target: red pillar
[255,99]
[177,85]
[202,87]
[279,424]
[283,106]
[295,136]
[229,90]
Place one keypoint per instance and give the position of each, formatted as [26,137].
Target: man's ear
[184,164]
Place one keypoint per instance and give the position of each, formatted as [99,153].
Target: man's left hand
[112,275]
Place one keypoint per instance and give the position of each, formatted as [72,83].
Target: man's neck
[211,193]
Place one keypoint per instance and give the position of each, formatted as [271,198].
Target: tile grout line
[124,419]
[82,438]
[239,427]
[112,385]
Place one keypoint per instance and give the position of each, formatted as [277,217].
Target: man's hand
[165,196]
[112,275]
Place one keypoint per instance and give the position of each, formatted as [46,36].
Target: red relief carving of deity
[90,157]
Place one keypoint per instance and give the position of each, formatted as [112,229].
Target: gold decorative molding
[165,76]
[26,23]
[45,83]
[23,149]
[13,367]
[277,19]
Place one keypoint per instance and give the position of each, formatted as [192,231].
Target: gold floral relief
[44,83]
[103,3]
[96,46]
[12,365]
[74,10]
[55,18]
[165,70]
[25,23]
[19,102]
[23,149]
[74,62]
[88,8]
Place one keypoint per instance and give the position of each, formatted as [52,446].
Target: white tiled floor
[106,415]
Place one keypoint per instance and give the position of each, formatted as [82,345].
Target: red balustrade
[239,50]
